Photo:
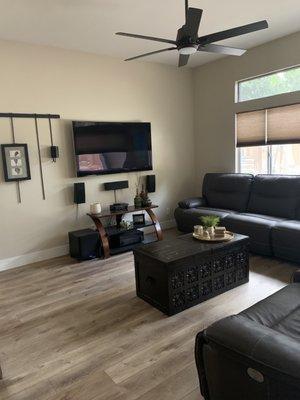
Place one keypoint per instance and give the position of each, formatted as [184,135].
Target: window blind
[251,129]
[280,125]
[283,125]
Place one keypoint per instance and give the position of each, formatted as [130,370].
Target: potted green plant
[209,222]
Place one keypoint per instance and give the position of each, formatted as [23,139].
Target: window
[285,81]
[274,159]
[253,160]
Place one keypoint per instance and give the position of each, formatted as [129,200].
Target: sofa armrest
[296,276]
[261,345]
[192,202]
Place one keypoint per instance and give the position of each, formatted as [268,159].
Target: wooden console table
[119,215]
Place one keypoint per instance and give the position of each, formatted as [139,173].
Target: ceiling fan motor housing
[184,38]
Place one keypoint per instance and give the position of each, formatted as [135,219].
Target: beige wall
[215,106]
[191,111]
[87,87]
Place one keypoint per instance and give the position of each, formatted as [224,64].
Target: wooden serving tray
[228,236]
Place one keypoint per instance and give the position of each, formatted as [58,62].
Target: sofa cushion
[227,191]
[257,227]
[275,195]
[187,218]
[280,311]
[192,202]
[286,239]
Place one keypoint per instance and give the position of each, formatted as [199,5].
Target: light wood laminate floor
[77,331]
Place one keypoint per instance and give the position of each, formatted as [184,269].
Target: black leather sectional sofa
[254,355]
[264,207]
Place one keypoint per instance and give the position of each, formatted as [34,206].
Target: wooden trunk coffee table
[174,275]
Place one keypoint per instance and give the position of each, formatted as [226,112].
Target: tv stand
[104,233]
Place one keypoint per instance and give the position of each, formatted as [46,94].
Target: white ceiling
[89,25]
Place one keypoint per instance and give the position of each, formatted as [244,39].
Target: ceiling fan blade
[229,33]
[152,52]
[193,19]
[216,48]
[155,39]
[183,60]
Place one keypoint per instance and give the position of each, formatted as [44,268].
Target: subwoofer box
[84,244]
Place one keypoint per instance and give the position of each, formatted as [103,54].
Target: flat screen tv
[112,147]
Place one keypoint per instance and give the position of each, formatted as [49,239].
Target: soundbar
[116,185]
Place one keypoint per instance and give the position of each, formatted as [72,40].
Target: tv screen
[112,147]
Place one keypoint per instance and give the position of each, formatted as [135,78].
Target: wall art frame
[138,219]
[15,160]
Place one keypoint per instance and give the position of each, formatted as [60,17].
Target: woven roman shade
[251,128]
[283,125]
[279,125]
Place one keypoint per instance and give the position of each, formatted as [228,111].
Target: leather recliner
[254,355]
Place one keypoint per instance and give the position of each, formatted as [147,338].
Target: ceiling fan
[188,42]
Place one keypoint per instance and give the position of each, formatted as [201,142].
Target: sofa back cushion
[277,195]
[229,191]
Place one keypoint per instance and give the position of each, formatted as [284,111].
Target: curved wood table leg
[102,234]
[156,223]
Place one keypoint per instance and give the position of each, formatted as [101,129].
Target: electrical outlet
[168,210]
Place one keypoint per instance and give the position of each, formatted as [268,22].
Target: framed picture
[15,162]
[138,219]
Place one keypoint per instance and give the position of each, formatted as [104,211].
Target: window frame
[237,84]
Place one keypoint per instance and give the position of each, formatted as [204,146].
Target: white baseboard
[18,261]
[24,259]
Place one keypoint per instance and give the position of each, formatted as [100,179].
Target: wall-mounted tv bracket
[11,116]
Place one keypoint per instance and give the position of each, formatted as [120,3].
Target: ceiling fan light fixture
[187,51]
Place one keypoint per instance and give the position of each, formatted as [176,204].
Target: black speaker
[79,193]
[150,183]
[54,152]
[84,244]
[116,185]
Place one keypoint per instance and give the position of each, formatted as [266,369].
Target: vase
[198,230]
[138,201]
[211,230]
[146,202]
[95,208]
